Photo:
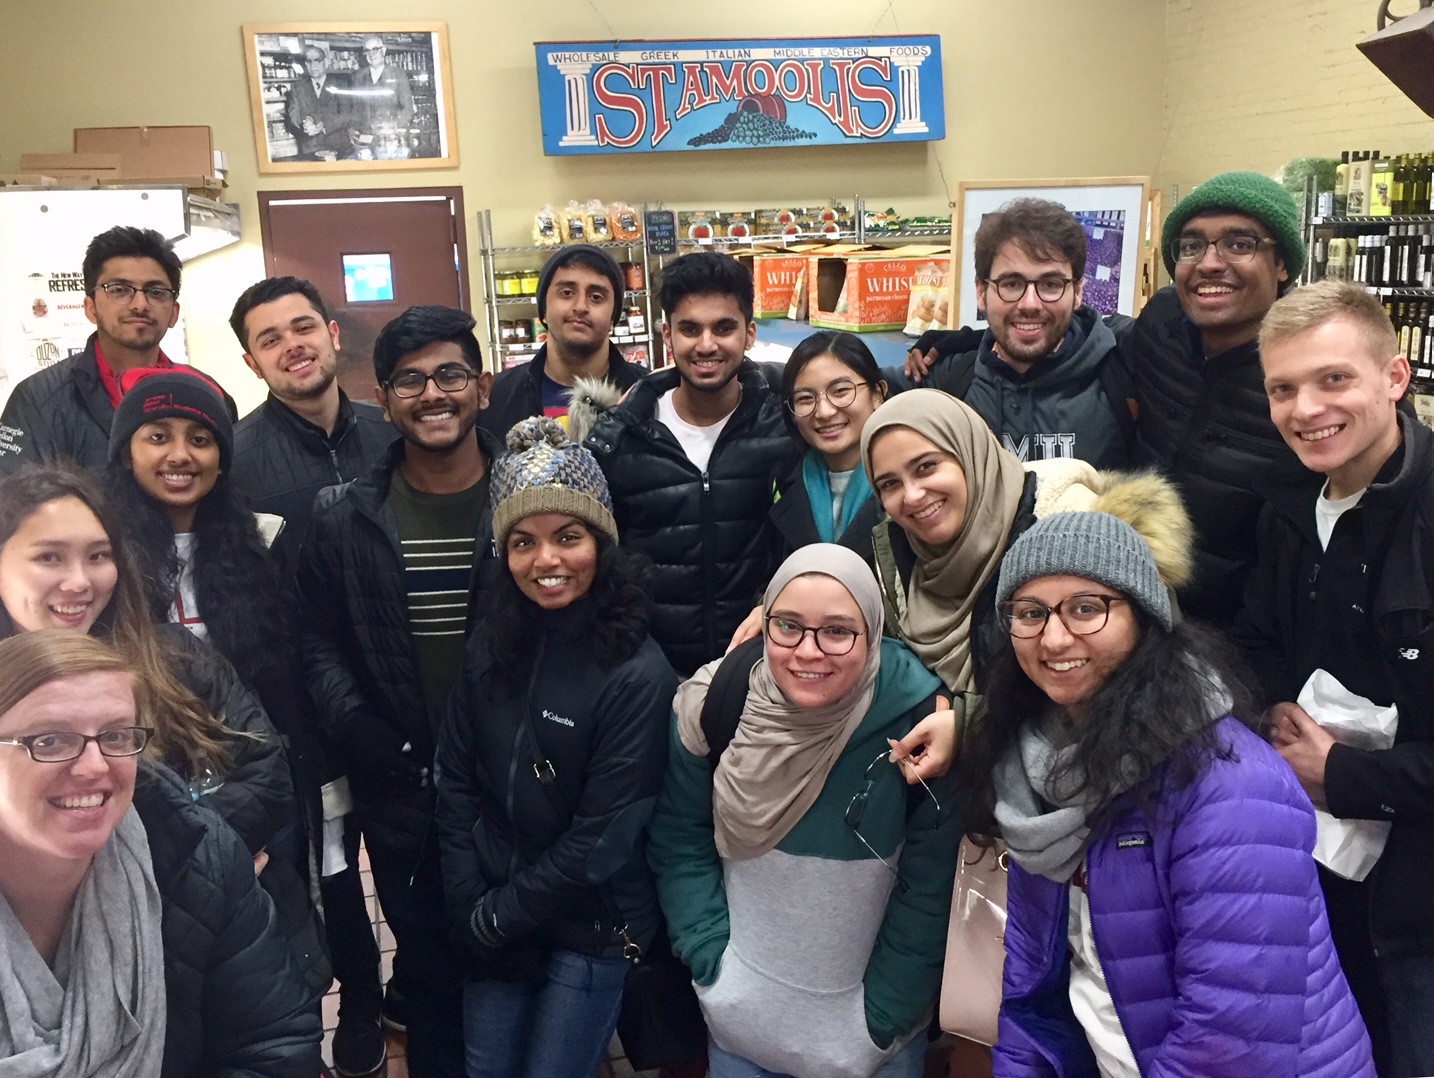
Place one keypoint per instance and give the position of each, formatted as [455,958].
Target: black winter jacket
[61,413]
[796,527]
[547,852]
[518,392]
[1205,422]
[281,461]
[1076,403]
[237,1006]
[359,655]
[1297,618]
[707,533]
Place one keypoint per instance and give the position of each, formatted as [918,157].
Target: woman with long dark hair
[1165,916]
[547,768]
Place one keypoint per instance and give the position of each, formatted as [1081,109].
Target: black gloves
[380,758]
[491,955]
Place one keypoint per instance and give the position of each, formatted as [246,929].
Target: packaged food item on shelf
[572,224]
[739,225]
[626,225]
[595,217]
[545,228]
[634,277]
[699,224]
[636,353]
[930,303]
[528,281]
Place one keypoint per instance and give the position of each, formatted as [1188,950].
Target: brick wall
[1254,83]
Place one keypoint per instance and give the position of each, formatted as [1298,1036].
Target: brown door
[372,254]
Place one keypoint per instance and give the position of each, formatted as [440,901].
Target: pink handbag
[975,944]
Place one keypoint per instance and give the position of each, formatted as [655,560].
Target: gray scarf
[100,1013]
[1044,840]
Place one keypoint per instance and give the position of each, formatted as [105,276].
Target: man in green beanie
[1232,246]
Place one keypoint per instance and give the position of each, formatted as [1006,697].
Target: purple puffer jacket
[1212,933]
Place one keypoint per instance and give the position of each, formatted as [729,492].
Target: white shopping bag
[1348,848]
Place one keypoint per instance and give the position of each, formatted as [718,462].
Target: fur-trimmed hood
[591,397]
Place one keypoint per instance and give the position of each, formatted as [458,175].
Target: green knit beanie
[1242,192]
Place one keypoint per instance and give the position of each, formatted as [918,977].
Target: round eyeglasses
[839,395]
[450,378]
[57,746]
[834,640]
[1012,287]
[1081,614]
[1234,249]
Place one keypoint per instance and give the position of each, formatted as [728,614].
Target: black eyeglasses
[1235,249]
[1081,614]
[834,640]
[856,808]
[1012,287]
[839,394]
[57,746]
[123,292]
[451,377]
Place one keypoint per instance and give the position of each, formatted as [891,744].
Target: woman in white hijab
[803,884]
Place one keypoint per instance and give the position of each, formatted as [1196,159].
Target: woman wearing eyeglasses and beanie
[1165,916]
[134,938]
[805,884]
[548,764]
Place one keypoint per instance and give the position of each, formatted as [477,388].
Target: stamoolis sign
[646,96]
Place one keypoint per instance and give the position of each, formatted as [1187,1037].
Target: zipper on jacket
[334,460]
[1114,1003]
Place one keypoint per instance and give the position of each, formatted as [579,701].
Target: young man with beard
[388,580]
[1046,376]
[1342,584]
[64,412]
[308,435]
[579,300]
[1232,246]
[691,457]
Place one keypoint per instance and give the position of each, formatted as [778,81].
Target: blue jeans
[907,1063]
[562,1028]
[1408,982]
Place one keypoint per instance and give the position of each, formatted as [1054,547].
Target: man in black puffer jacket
[237,1005]
[1233,245]
[692,456]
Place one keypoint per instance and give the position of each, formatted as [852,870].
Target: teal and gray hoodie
[810,960]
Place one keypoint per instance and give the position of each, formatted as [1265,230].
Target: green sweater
[790,949]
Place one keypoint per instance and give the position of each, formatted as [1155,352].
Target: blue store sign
[646,96]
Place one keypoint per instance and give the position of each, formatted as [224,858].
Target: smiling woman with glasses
[1159,848]
[126,909]
[804,883]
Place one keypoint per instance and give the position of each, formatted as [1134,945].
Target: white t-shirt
[1090,996]
[696,442]
[185,610]
[1328,511]
[839,482]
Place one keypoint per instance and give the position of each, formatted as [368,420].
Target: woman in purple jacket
[1165,917]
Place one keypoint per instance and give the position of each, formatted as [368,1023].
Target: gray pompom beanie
[1093,545]
[545,472]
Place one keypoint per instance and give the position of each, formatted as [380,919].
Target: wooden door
[348,242]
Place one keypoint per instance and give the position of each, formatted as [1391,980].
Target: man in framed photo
[383,100]
[319,108]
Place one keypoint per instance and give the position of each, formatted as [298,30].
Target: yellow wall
[1034,88]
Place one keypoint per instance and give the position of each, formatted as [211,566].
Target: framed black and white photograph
[344,97]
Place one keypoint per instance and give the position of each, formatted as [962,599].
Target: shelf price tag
[660,229]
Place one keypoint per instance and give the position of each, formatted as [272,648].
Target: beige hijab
[948,579]
[781,755]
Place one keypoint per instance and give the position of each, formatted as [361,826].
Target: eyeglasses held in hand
[856,808]
[834,640]
[123,292]
[1081,614]
[839,394]
[1012,287]
[1232,249]
[451,377]
[58,746]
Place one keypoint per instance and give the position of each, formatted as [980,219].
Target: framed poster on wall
[1112,212]
[344,97]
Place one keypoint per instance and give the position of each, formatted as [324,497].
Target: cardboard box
[28,180]
[776,272]
[867,291]
[83,168]
[152,153]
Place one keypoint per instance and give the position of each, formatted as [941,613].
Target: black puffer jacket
[281,461]
[708,534]
[603,727]
[1205,422]
[237,1006]
[518,391]
[1305,610]
[359,654]
[61,413]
